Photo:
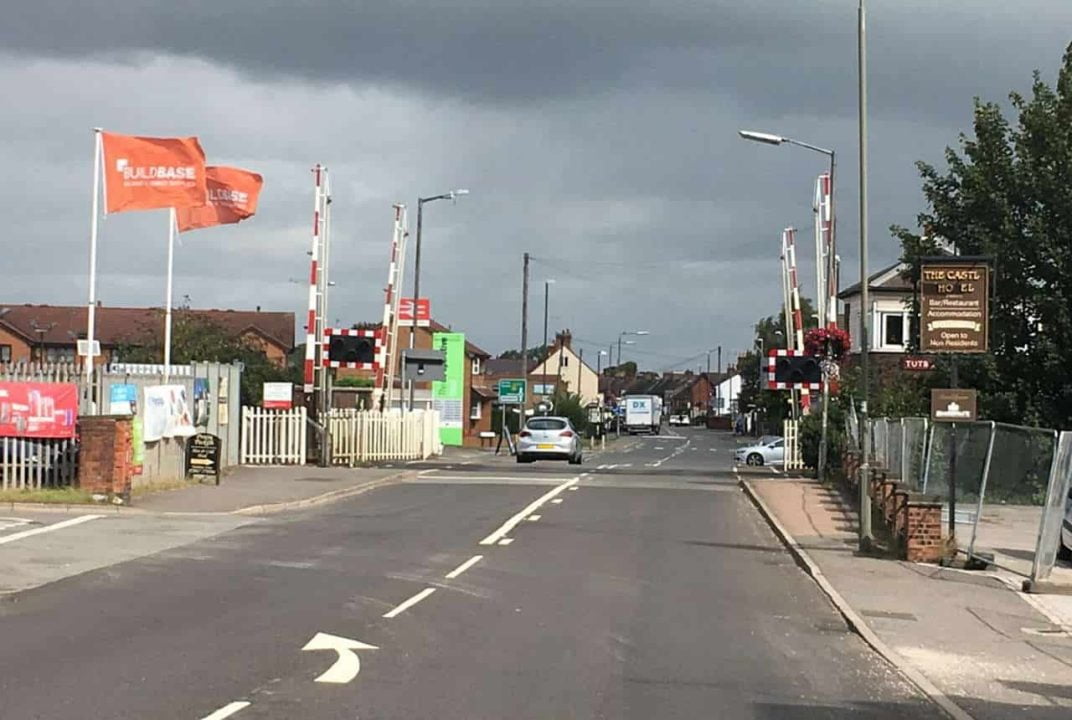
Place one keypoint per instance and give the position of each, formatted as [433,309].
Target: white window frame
[880,330]
[475,410]
[476,365]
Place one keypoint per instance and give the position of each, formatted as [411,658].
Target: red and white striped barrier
[348,332]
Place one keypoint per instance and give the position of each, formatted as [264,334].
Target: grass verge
[58,496]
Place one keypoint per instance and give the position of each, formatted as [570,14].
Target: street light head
[455,194]
[642,332]
[761,137]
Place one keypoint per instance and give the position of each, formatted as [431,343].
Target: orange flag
[144,173]
[232,196]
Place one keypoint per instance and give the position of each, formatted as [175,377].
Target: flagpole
[167,300]
[92,306]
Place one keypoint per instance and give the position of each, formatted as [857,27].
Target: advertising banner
[232,197]
[123,399]
[167,413]
[38,410]
[201,402]
[448,396]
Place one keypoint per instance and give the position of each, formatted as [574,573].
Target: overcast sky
[599,136]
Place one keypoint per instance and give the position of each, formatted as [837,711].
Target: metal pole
[580,364]
[416,291]
[865,310]
[167,292]
[98,150]
[718,387]
[619,350]
[546,296]
[954,382]
[524,327]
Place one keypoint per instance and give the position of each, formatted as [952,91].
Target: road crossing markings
[557,501]
[574,488]
[8,523]
[48,528]
[410,603]
[534,518]
[464,566]
[347,665]
[227,710]
[532,507]
[506,541]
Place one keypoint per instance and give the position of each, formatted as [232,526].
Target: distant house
[892,321]
[684,393]
[563,367]
[50,333]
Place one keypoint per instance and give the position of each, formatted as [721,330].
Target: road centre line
[534,518]
[464,566]
[556,501]
[410,603]
[531,508]
[227,710]
[506,541]
[48,528]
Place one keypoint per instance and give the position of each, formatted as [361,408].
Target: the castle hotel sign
[954,307]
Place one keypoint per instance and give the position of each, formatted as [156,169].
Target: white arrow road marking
[464,566]
[532,507]
[227,711]
[410,603]
[347,666]
[48,528]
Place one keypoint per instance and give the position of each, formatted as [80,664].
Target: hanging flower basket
[829,343]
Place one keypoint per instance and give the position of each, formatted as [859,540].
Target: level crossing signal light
[797,370]
[351,349]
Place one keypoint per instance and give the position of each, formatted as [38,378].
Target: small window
[893,330]
[778,444]
[475,410]
[60,354]
[476,366]
[5,353]
[565,360]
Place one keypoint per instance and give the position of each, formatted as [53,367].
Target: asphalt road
[641,585]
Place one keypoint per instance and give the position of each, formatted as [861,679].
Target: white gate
[367,436]
[793,460]
[273,437]
[35,463]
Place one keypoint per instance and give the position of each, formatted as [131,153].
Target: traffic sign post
[511,392]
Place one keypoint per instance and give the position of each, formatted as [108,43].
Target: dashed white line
[532,507]
[48,528]
[506,541]
[227,710]
[533,518]
[573,488]
[556,501]
[464,566]
[410,603]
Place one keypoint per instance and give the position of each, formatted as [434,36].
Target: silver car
[549,438]
[770,452]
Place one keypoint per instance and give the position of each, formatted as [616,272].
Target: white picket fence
[35,463]
[359,436]
[273,437]
[793,458]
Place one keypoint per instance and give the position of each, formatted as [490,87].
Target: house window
[475,410]
[893,329]
[5,353]
[476,366]
[565,361]
[60,354]
[543,389]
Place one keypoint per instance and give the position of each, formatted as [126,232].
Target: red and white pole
[312,342]
[798,316]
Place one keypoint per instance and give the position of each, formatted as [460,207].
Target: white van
[643,413]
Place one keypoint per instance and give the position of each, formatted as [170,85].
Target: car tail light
[566,433]
[524,433]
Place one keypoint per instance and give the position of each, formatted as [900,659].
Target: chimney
[564,338]
[258,308]
[98,303]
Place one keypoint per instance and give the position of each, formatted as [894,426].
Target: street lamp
[599,361]
[622,334]
[452,196]
[546,296]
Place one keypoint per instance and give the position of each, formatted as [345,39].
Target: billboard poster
[167,413]
[38,410]
[448,395]
[277,396]
[137,442]
[122,399]
[201,405]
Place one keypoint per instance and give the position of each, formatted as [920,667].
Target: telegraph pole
[865,339]
[525,320]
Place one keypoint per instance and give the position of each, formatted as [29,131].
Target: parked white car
[679,420]
[771,452]
[549,438]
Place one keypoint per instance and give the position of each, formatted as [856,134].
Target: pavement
[642,585]
[992,651]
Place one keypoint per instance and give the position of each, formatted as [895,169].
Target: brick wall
[923,532]
[104,461]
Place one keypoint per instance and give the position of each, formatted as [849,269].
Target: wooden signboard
[954,306]
[203,457]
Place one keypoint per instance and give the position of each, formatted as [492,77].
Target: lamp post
[622,334]
[865,339]
[452,196]
[599,362]
[546,303]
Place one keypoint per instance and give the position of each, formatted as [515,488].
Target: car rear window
[546,424]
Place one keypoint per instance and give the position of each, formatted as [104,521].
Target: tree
[1007,194]
[197,339]
[535,355]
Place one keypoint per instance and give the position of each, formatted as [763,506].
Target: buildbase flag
[144,173]
[231,197]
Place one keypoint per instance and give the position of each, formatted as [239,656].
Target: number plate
[545,446]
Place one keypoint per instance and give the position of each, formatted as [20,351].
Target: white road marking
[347,665]
[506,541]
[534,518]
[48,528]
[556,501]
[522,478]
[573,488]
[601,467]
[658,447]
[532,507]
[464,566]
[7,523]
[775,470]
[410,603]
[227,710]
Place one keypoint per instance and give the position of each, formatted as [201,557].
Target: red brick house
[49,333]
